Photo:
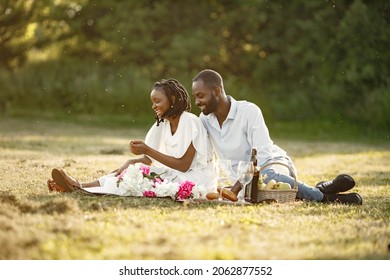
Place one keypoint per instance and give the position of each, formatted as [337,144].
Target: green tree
[29,25]
[359,70]
[298,60]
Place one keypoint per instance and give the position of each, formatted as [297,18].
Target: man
[237,127]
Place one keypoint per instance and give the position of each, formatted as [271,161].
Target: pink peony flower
[157,180]
[145,169]
[149,194]
[185,190]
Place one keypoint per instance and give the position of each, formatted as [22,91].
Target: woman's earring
[171,106]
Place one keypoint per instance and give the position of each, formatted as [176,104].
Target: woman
[177,146]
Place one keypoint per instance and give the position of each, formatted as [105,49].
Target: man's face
[205,97]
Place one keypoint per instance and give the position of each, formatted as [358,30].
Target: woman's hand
[138,147]
[123,167]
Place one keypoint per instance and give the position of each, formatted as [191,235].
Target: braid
[182,102]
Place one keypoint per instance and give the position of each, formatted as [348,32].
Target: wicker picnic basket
[279,195]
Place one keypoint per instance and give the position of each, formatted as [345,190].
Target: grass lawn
[38,224]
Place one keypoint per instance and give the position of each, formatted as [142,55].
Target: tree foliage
[304,59]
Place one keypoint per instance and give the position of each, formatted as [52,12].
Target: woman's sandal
[63,181]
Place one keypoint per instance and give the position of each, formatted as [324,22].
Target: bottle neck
[254,158]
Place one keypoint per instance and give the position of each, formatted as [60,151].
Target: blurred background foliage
[323,61]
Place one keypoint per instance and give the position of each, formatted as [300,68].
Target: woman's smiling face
[160,102]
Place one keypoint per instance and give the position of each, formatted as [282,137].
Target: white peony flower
[134,183]
[166,188]
[199,191]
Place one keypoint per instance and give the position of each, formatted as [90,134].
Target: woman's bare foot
[52,186]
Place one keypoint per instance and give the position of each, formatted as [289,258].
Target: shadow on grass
[58,205]
[99,202]
[102,202]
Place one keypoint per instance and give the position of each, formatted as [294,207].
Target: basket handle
[289,168]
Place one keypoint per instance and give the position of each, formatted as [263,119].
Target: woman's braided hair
[182,99]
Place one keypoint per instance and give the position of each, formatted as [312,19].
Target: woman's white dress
[190,130]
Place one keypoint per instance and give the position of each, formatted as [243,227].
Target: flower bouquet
[138,180]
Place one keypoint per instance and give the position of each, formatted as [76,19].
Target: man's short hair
[210,77]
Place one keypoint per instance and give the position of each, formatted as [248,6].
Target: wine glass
[245,172]
[224,173]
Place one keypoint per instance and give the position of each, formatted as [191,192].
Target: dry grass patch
[38,224]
